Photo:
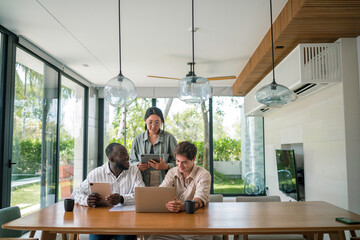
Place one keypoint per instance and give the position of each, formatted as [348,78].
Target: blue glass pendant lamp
[193,89]
[120,91]
[273,94]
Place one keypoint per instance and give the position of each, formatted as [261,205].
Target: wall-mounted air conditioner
[308,68]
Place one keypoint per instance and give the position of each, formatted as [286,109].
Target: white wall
[327,123]
[352,120]
[317,122]
[358,52]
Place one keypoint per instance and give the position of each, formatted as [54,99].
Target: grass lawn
[26,195]
[223,184]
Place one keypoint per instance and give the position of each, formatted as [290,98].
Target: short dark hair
[110,149]
[186,149]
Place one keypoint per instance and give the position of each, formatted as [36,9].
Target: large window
[71,136]
[238,163]
[227,145]
[43,149]
[2,55]
[123,124]
[188,122]
[253,164]
[34,134]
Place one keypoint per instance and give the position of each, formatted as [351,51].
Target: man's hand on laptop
[175,206]
[114,199]
[93,199]
[158,165]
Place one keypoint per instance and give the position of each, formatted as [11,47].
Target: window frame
[10,42]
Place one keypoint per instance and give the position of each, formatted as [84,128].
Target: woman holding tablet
[153,141]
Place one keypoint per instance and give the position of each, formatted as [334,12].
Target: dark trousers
[109,237]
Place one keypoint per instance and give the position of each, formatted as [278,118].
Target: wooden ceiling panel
[300,21]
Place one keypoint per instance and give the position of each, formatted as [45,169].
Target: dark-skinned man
[123,179]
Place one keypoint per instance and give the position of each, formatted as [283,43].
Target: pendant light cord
[193,30]
[119,40]
[272,42]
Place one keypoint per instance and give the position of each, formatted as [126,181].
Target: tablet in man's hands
[103,189]
[147,157]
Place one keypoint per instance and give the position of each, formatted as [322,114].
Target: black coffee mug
[69,204]
[190,206]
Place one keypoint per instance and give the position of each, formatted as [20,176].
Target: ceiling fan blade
[163,77]
[221,78]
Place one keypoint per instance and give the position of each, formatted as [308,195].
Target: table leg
[45,235]
[339,235]
[32,234]
[309,236]
[319,236]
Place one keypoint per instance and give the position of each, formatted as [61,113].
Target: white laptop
[153,199]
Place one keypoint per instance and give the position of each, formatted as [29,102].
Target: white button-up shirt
[124,184]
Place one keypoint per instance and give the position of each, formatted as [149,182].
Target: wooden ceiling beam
[300,21]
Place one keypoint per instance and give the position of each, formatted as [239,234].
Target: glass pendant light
[120,91]
[273,94]
[193,89]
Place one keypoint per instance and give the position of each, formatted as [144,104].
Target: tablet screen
[147,157]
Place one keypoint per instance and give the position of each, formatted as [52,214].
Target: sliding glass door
[71,136]
[34,134]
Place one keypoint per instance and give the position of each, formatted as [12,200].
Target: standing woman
[154,141]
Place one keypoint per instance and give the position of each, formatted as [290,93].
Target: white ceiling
[156,37]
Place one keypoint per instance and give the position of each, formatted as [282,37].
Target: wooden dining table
[218,218]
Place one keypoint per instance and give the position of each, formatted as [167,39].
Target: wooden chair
[216,198]
[353,235]
[263,237]
[7,215]
[64,236]
[258,199]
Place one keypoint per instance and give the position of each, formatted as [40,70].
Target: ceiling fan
[191,73]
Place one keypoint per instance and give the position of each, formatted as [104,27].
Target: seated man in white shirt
[123,179]
[191,182]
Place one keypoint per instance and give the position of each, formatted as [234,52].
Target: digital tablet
[147,157]
[101,188]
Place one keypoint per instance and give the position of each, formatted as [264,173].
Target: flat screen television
[287,174]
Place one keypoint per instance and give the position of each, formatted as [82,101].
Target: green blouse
[164,146]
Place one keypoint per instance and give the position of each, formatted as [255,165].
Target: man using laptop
[123,179]
[191,182]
